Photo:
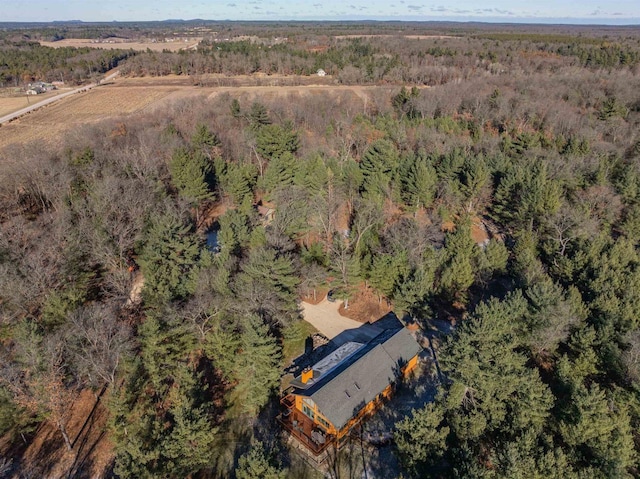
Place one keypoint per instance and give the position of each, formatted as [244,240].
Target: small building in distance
[266,212]
[321,72]
[327,400]
[39,87]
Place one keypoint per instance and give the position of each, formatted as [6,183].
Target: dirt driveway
[325,318]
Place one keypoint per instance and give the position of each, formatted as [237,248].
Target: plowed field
[124,45]
[125,96]
[47,123]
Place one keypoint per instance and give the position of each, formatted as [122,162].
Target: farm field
[130,95]
[125,45]
[9,104]
[387,35]
[47,123]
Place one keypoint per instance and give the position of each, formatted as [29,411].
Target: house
[39,87]
[321,72]
[266,213]
[327,400]
[35,90]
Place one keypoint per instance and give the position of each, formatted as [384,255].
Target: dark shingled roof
[360,378]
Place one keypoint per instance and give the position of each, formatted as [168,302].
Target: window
[324,422]
[308,411]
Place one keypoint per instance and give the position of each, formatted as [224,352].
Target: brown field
[125,45]
[9,104]
[383,35]
[48,123]
[126,96]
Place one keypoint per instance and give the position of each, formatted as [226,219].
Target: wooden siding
[307,424]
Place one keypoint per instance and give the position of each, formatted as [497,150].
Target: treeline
[24,62]
[539,381]
[393,59]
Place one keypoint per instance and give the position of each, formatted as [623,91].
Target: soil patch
[316,296]
[365,306]
[124,44]
[47,456]
[212,213]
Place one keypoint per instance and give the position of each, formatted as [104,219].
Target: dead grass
[125,96]
[365,306]
[48,123]
[386,35]
[123,44]
[9,104]
[47,456]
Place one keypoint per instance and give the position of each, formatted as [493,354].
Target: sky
[537,11]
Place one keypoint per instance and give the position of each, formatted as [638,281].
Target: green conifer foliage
[257,464]
[169,260]
[258,365]
[189,175]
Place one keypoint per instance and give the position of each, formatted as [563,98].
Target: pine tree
[273,141]
[258,365]
[169,260]
[268,284]
[418,179]
[236,112]
[204,139]
[280,172]
[238,181]
[189,175]
[458,268]
[379,163]
[421,438]
[258,115]
[257,464]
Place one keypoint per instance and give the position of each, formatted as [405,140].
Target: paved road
[48,101]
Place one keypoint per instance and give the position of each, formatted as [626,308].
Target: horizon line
[511,20]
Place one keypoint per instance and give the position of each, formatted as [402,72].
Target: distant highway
[48,101]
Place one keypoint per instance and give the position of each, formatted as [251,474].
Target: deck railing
[297,433]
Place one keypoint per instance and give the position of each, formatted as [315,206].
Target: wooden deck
[303,429]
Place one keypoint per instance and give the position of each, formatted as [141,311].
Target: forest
[25,61]
[535,134]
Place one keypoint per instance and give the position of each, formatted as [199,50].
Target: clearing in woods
[125,96]
[174,46]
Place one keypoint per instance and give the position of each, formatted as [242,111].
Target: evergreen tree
[257,464]
[280,172]
[258,116]
[188,174]
[204,139]
[236,111]
[421,439]
[238,181]
[418,179]
[169,260]
[458,268]
[379,164]
[273,141]
[268,285]
[387,271]
[258,365]
[526,195]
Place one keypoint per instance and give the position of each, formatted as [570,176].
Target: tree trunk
[65,436]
